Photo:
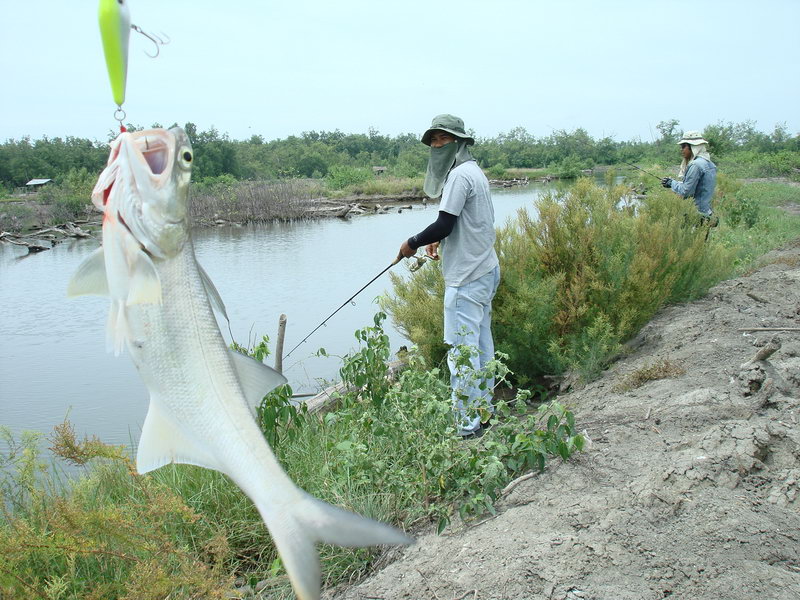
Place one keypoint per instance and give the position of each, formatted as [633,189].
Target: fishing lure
[115,30]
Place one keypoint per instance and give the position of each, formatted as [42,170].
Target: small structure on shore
[34,185]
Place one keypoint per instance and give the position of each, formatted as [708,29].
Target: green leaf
[442,525]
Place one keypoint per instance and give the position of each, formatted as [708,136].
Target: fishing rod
[643,171]
[345,303]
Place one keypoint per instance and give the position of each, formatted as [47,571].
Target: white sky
[278,68]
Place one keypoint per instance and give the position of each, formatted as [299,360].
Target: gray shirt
[468,252]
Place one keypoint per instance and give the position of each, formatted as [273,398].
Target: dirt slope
[689,489]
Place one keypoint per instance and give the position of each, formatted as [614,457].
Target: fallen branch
[769,329]
[757,298]
[516,482]
[765,352]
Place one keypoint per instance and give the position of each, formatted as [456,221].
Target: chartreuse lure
[115,30]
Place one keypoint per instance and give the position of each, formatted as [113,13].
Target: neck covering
[442,160]
[697,150]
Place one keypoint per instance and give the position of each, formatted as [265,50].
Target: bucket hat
[449,123]
[692,138]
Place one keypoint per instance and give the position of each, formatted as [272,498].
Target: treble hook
[157,40]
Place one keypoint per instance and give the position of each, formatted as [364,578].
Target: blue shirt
[698,183]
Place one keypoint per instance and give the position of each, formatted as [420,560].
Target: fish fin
[145,286]
[162,442]
[311,521]
[256,378]
[213,295]
[90,278]
[116,328]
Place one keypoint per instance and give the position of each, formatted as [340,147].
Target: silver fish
[201,392]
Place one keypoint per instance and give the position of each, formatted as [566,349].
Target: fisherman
[464,232]
[698,174]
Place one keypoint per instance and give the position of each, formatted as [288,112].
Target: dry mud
[690,487]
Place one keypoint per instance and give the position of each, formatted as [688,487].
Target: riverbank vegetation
[319,165]
[386,450]
[585,268]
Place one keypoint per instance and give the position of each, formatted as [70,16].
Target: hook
[157,40]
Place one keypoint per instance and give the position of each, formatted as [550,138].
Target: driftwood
[509,182]
[328,398]
[44,239]
[32,245]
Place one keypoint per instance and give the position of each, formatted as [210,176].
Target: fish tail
[312,521]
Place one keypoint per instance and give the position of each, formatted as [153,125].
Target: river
[53,363]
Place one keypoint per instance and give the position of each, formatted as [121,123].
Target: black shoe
[473,434]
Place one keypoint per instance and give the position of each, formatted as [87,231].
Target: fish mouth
[155,151]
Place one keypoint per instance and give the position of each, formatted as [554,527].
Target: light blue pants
[468,322]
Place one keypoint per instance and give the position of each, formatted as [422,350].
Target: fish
[114,19]
[202,393]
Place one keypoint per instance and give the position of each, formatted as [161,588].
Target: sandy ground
[690,487]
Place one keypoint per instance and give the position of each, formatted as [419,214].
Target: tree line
[314,154]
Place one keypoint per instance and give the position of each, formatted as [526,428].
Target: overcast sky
[278,68]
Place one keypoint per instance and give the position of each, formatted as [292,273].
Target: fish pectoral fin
[145,284]
[213,295]
[257,379]
[117,330]
[163,442]
[90,278]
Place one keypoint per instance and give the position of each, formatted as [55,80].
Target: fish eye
[185,157]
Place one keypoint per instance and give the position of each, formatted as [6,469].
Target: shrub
[339,177]
[577,281]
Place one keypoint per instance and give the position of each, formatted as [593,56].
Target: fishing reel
[417,261]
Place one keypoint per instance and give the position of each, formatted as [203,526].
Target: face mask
[439,164]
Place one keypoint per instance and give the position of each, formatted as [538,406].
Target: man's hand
[666,182]
[406,250]
[432,250]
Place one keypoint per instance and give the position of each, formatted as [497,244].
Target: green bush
[496,171]
[71,199]
[577,281]
[340,177]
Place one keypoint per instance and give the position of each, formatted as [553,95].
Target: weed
[661,369]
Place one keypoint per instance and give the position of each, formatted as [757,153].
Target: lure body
[115,29]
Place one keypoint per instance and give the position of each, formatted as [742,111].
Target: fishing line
[345,303]
[643,171]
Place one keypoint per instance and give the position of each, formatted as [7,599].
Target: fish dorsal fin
[145,284]
[213,295]
[90,278]
[257,379]
[163,442]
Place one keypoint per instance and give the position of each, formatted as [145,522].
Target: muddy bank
[690,487]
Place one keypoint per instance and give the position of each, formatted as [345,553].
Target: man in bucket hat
[699,174]
[464,232]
